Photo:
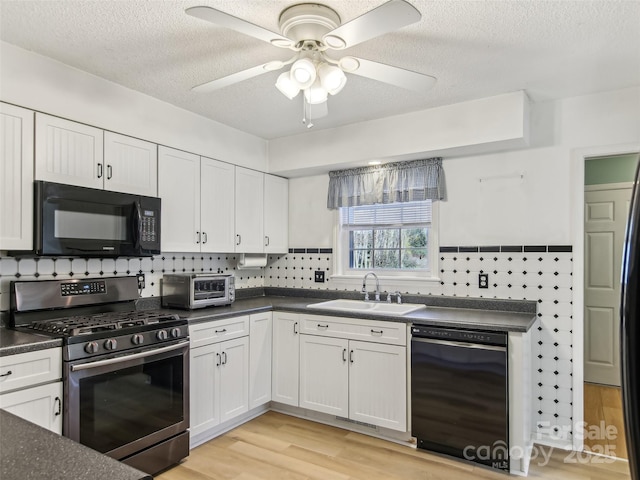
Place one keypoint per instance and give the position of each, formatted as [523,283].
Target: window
[394,238]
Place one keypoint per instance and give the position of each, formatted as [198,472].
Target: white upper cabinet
[16,178]
[130,165]
[77,154]
[217,215]
[276,214]
[68,152]
[249,196]
[179,189]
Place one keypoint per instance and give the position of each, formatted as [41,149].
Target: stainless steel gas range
[125,372]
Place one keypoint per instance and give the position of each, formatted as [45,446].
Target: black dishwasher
[459,394]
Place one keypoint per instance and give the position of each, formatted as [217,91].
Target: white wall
[503,208]
[40,83]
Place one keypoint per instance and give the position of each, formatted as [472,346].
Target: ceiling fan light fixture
[315,94]
[303,73]
[286,86]
[332,78]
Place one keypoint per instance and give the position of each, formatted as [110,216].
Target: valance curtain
[390,183]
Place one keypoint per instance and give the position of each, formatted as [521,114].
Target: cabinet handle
[204,237]
[221,331]
[266,240]
[295,329]
[323,326]
[376,332]
[344,354]
[351,356]
[224,362]
[197,237]
[58,402]
[100,170]
[6,374]
[218,357]
[238,238]
[109,172]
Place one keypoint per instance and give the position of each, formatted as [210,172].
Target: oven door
[122,405]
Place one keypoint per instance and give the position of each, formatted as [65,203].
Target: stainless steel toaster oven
[197,290]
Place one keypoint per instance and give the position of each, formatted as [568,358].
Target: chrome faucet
[364,287]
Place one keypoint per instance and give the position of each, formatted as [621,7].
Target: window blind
[387,215]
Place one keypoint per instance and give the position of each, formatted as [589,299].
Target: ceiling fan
[312,30]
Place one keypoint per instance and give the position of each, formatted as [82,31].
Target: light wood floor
[603,406]
[277,446]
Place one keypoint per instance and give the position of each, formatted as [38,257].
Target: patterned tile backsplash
[539,273]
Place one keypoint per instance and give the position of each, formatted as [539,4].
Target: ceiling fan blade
[234,23]
[386,18]
[238,77]
[399,77]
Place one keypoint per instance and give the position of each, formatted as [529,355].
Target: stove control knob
[175,332]
[110,344]
[91,347]
[137,339]
[161,335]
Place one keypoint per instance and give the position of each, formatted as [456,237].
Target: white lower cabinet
[30,387]
[41,405]
[260,339]
[285,358]
[219,376]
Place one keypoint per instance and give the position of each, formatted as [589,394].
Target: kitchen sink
[373,308]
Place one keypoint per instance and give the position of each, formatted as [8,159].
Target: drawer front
[30,368]
[215,331]
[393,333]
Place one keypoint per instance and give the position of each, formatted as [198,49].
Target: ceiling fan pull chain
[306,113]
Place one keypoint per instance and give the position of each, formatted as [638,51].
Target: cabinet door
[179,189]
[276,214]
[68,152]
[234,378]
[285,358]
[249,211]
[324,375]
[16,178]
[41,405]
[378,384]
[204,388]
[217,199]
[131,165]
[260,359]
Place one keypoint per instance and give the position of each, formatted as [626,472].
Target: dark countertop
[12,342]
[30,452]
[461,312]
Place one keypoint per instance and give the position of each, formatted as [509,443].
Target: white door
[378,384]
[285,366]
[16,178]
[276,214]
[249,211]
[131,165]
[259,359]
[324,374]
[234,378]
[68,152]
[204,388]
[179,189]
[41,405]
[605,221]
[217,199]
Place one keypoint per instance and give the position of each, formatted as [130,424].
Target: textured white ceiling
[550,49]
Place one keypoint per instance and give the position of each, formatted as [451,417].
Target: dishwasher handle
[450,343]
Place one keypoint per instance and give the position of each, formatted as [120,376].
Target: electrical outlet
[483,280]
[319,276]
[140,281]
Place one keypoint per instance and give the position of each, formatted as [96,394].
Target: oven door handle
[126,358]
[476,346]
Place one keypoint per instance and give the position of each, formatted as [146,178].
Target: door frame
[578,158]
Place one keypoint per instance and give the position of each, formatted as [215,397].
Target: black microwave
[86,222]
